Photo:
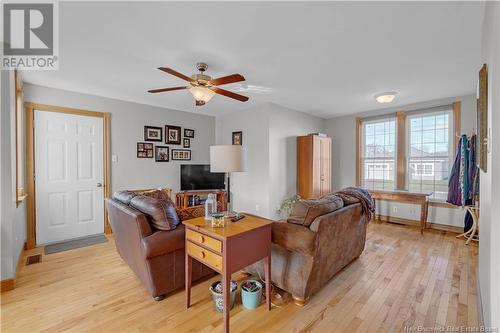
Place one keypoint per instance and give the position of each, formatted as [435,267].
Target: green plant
[287,204]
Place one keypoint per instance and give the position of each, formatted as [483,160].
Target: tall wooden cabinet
[314,166]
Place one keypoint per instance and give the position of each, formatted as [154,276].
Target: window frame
[19,112]
[401,181]
[362,158]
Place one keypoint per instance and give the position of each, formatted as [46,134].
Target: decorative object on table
[189,133]
[238,138]
[482,118]
[161,154]
[217,295]
[181,154]
[286,206]
[186,143]
[152,133]
[144,150]
[202,86]
[218,220]
[210,206]
[227,158]
[251,293]
[172,135]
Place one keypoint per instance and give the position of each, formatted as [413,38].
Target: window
[430,152]
[378,154]
[408,150]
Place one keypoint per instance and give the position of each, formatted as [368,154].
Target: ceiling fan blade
[227,79]
[229,94]
[175,73]
[166,89]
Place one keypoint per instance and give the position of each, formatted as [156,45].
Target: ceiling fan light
[386,97]
[201,94]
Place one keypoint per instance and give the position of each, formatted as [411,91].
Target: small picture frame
[238,138]
[181,155]
[188,133]
[152,133]
[186,143]
[144,150]
[172,135]
[162,154]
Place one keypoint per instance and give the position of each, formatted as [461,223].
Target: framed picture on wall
[144,150]
[181,155]
[186,143]
[172,135]
[161,154]
[482,119]
[189,133]
[152,133]
[238,138]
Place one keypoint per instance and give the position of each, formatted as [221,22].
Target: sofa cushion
[348,199]
[124,196]
[305,211]
[161,212]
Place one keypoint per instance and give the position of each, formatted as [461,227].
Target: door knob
[99,185]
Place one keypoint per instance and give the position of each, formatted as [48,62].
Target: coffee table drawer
[204,240]
[204,255]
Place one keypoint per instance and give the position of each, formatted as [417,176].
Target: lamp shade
[227,158]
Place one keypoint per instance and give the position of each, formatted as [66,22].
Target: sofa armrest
[163,242]
[294,237]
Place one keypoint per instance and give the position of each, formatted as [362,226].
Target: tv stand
[187,199]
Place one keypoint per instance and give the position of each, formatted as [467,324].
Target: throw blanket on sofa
[360,194]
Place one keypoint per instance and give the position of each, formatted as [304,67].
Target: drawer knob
[202,239]
[202,254]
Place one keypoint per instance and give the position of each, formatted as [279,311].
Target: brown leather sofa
[155,256]
[319,239]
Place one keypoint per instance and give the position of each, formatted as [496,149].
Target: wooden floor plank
[401,279]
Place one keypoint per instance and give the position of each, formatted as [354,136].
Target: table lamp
[227,159]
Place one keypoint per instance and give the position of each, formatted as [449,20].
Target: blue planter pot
[251,300]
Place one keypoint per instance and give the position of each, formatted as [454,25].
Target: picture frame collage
[173,136]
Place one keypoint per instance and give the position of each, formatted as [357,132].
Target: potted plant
[251,293]
[218,296]
[287,205]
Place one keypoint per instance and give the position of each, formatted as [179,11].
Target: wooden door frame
[29,109]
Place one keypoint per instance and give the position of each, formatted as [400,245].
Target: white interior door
[68,176]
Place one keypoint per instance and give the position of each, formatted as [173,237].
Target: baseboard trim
[7,284]
[435,226]
[10,284]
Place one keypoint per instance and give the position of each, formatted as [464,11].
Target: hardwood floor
[401,279]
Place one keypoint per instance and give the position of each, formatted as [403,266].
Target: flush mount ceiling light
[386,97]
[202,86]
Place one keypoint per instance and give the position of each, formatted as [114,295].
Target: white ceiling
[326,59]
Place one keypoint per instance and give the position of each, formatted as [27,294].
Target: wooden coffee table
[228,250]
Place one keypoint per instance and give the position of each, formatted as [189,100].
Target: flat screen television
[197,177]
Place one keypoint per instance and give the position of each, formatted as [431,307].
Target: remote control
[237,218]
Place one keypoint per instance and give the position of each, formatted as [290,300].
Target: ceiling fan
[202,86]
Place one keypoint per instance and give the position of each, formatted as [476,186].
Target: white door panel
[68,169]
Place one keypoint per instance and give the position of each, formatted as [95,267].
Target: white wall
[127,128]
[250,189]
[489,232]
[13,219]
[343,132]
[284,127]
[269,136]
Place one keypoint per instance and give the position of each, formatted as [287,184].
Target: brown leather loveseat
[319,238]
[150,239]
